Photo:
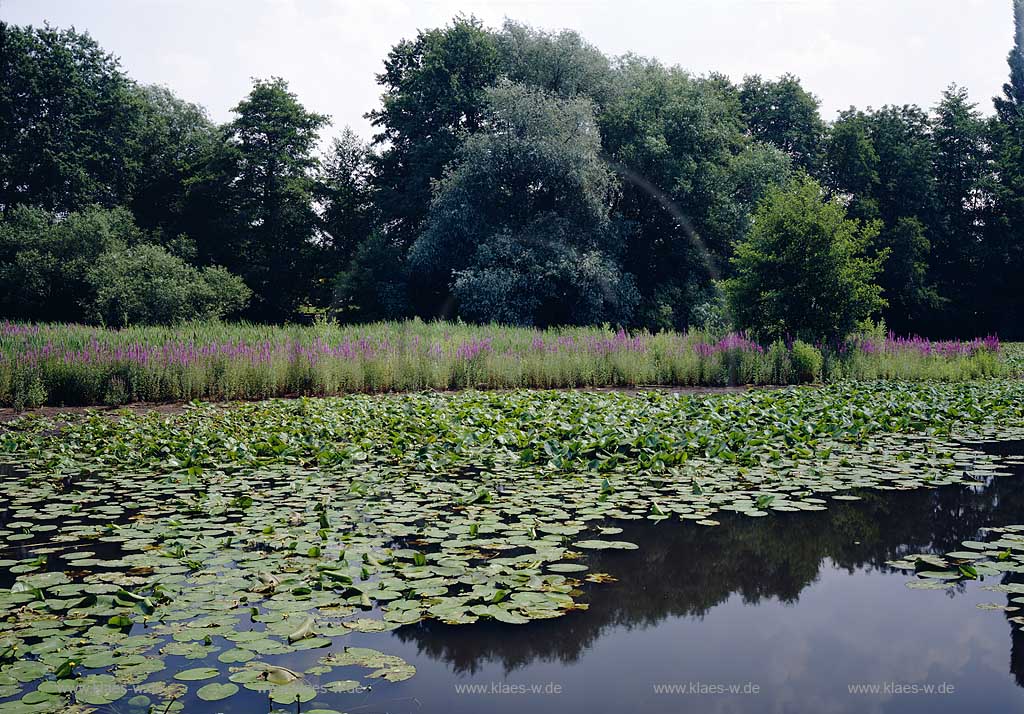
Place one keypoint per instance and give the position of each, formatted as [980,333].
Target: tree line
[514,175]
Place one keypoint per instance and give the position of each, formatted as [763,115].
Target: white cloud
[868,53]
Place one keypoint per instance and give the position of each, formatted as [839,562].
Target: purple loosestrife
[733,342]
[915,344]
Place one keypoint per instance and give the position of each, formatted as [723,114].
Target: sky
[847,52]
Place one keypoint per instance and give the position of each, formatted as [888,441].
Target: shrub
[45,259]
[804,269]
[146,285]
[807,362]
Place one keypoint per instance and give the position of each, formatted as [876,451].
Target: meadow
[74,365]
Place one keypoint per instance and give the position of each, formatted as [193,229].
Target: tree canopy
[513,174]
[804,271]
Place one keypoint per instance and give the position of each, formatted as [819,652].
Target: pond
[789,614]
[796,612]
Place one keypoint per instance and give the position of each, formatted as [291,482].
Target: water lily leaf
[303,631]
[341,685]
[292,692]
[216,691]
[605,544]
[196,674]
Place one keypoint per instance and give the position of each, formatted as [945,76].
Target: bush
[45,259]
[804,271]
[146,285]
[807,362]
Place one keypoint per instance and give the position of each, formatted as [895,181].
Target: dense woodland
[516,175]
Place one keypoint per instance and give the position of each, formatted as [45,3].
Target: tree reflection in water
[684,570]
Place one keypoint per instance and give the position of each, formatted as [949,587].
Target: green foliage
[374,286]
[806,362]
[689,179]
[884,160]
[561,63]
[779,364]
[522,221]
[905,279]
[78,364]
[95,265]
[144,284]
[434,89]
[1003,258]
[961,163]
[175,140]
[439,432]
[1010,106]
[346,214]
[363,228]
[25,389]
[804,271]
[45,260]
[784,114]
[67,121]
[267,165]
[297,516]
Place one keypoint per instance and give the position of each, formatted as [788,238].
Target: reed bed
[66,364]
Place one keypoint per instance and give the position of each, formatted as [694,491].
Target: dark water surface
[786,613]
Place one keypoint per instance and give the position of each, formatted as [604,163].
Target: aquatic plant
[239,537]
[79,365]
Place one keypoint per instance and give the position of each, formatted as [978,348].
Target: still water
[795,612]
[790,613]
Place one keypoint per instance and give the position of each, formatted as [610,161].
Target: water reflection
[818,579]
[800,605]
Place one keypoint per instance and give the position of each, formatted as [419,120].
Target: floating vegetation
[196,555]
[1002,555]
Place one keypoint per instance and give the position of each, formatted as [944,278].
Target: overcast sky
[848,52]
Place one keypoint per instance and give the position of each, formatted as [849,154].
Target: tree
[1010,106]
[906,278]
[1004,256]
[145,285]
[174,139]
[561,63]
[344,194]
[882,162]
[256,195]
[374,286]
[804,271]
[785,115]
[690,177]
[851,161]
[434,89]
[962,166]
[44,259]
[67,121]
[522,221]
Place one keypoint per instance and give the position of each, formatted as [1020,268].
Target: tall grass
[80,365]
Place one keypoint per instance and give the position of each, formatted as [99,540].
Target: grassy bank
[79,365]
